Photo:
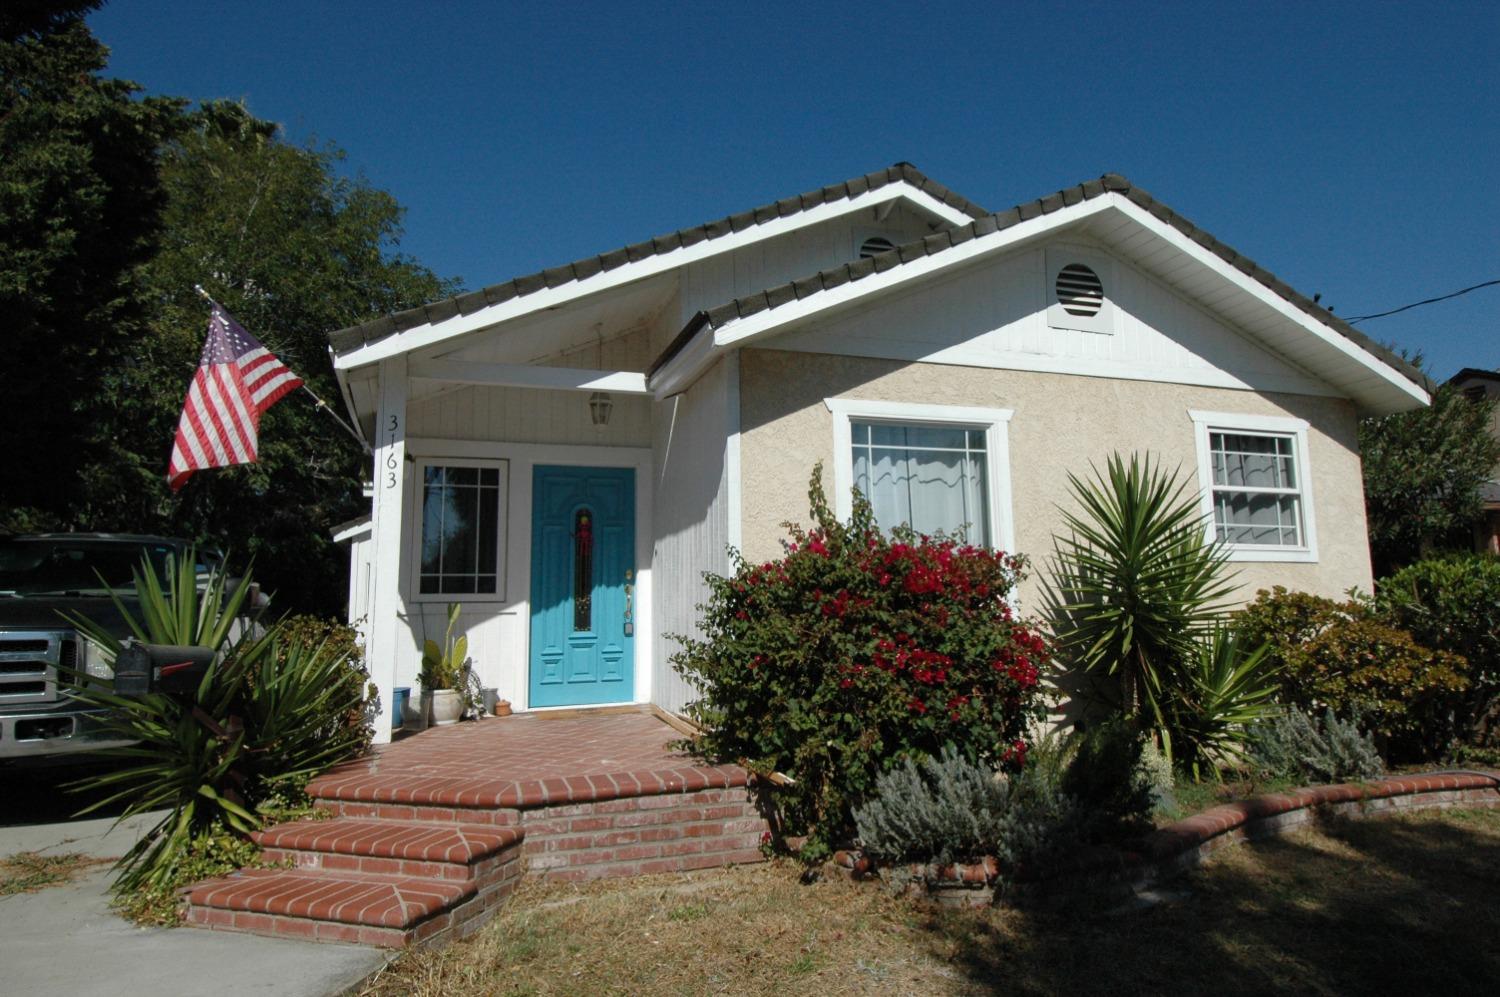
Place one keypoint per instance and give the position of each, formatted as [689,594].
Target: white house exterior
[565,454]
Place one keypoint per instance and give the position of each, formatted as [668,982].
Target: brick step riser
[480,872]
[456,922]
[581,866]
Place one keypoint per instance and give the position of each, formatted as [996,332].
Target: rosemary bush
[1300,746]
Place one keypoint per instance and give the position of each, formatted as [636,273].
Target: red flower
[916,705]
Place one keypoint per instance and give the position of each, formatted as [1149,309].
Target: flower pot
[415,716]
[447,707]
[502,708]
[399,707]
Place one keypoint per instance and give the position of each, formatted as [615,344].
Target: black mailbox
[145,668]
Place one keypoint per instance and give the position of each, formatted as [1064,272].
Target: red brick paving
[429,832]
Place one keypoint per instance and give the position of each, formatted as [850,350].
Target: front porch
[429,834]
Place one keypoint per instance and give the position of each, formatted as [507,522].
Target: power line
[1418,304]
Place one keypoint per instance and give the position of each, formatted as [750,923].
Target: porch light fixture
[600,405]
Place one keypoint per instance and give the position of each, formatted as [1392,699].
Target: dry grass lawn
[1408,904]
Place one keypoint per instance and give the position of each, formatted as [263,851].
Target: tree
[80,204]
[293,250]
[1422,474]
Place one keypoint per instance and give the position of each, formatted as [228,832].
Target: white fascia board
[1270,298]
[419,337]
[502,375]
[686,366]
[358,529]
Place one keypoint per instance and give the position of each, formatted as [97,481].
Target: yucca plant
[266,716]
[1227,687]
[1134,583]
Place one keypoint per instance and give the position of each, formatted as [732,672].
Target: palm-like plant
[267,714]
[1134,583]
[1226,687]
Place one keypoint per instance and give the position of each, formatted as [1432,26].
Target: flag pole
[317,400]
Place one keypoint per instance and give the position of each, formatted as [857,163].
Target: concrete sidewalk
[64,940]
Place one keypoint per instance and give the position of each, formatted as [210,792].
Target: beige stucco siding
[1061,423]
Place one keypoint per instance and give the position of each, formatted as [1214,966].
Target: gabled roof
[353,337]
[944,241]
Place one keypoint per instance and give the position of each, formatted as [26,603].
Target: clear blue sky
[1351,148]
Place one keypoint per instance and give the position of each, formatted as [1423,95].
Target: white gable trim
[423,336]
[736,332]
[502,375]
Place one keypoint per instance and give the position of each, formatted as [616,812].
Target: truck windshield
[61,566]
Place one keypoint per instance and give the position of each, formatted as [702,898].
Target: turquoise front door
[582,585]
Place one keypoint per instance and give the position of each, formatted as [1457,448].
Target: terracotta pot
[447,707]
[502,708]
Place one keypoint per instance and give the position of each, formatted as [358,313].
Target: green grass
[1389,905]
[27,872]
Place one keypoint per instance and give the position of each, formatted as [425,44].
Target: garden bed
[1404,904]
[1185,843]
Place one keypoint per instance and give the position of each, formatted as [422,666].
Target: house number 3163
[392,462]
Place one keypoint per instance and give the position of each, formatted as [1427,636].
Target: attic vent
[874,246]
[1079,290]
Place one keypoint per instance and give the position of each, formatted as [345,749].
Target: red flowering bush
[854,651]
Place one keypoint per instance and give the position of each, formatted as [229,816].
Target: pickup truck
[43,576]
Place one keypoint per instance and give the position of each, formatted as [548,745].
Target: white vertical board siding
[690,448]
[530,415]
[994,314]
[789,257]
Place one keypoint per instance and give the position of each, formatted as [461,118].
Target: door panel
[582,585]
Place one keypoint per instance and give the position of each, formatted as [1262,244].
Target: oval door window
[583,570]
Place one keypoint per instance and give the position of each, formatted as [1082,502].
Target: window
[462,523]
[1257,494]
[931,478]
[936,468]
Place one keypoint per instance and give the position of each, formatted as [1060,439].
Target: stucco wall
[1061,423]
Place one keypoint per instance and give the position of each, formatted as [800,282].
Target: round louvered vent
[874,246]
[1079,290]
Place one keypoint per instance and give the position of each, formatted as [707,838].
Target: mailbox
[146,668]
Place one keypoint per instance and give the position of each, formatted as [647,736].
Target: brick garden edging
[1180,846]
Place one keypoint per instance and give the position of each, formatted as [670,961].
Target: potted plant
[442,674]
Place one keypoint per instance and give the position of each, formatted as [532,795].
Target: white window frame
[501,533]
[994,422]
[1205,423]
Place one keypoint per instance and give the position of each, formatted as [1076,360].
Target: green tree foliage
[80,203]
[293,249]
[1422,472]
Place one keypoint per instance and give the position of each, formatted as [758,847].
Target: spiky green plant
[1134,583]
[268,714]
[1226,688]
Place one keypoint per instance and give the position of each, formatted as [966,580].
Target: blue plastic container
[398,705]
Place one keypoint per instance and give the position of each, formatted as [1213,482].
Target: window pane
[1244,460]
[460,525]
[930,490]
[1258,518]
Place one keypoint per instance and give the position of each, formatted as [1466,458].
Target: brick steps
[426,838]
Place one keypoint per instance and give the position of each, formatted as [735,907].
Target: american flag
[237,380]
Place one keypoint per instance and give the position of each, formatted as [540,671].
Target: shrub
[854,651]
[1227,685]
[341,641]
[950,809]
[273,709]
[1294,745]
[1105,776]
[1342,656]
[1133,584]
[945,809]
[1453,604]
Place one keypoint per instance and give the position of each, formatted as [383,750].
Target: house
[1480,385]
[566,453]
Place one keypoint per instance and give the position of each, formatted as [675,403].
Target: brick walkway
[430,834]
